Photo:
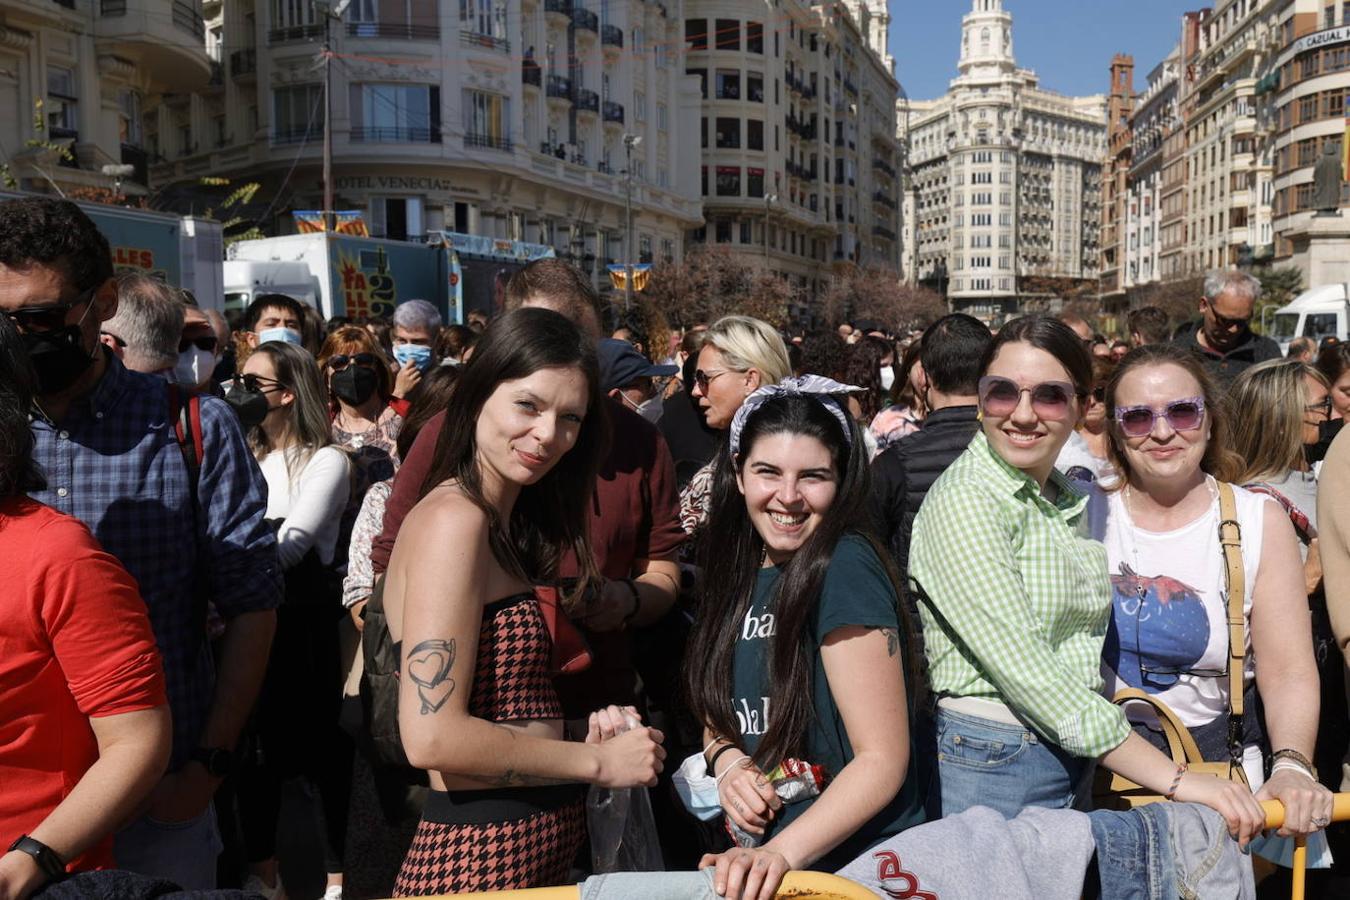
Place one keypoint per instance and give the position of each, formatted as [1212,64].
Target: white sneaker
[334,892]
[256,885]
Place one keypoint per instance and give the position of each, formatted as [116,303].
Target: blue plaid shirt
[115,464]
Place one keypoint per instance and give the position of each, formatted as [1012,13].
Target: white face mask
[697,789]
[651,409]
[887,378]
[194,366]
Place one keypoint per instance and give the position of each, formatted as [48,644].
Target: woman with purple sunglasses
[1169,633]
[1015,602]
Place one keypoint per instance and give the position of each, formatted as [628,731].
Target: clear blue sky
[1069,43]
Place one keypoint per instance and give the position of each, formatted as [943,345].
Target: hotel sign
[1315,40]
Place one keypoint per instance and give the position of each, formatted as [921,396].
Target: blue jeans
[182,852]
[1004,767]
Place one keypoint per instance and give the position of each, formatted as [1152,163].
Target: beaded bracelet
[1176,782]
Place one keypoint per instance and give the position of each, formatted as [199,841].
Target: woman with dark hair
[1333,361]
[864,369]
[365,423]
[281,395]
[506,497]
[797,652]
[84,725]
[904,410]
[1170,634]
[1015,604]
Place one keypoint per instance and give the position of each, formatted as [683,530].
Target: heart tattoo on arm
[429,668]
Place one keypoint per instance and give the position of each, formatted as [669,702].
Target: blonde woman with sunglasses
[1169,636]
[1015,602]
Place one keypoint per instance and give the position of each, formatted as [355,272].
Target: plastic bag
[622,828]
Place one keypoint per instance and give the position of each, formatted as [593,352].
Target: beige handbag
[1112,791]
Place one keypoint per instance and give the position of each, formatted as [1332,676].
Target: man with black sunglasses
[1222,336]
[105,438]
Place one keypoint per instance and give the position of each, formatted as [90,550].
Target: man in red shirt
[84,723]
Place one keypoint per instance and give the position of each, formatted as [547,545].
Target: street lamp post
[769,200]
[330,10]
[629,142]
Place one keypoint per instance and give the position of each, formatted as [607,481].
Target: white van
[246,279]
[1318,313]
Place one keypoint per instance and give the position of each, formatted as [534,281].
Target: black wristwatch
[218,761]
[47,859]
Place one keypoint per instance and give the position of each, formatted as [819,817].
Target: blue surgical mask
[697,789]
[286,335]
[418,355]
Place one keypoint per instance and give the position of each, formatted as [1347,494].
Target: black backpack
[379,683]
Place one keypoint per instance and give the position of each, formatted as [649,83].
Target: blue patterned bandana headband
[824,390]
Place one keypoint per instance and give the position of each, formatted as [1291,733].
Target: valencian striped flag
[641,273]
[346,221]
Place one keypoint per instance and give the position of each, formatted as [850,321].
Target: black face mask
[250,406]
[1326,433]
[354,384]
[58,358]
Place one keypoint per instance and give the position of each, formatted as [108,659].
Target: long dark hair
[18,474]
[731,558]
[864,371]
[550,516]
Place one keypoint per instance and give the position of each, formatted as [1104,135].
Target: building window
[722,228]
[729,133]
[754,87]
[293,14]
[639,106]
[754,37]
[703,174]
[754,182]
[129,117]
[297,111]
[728,84]
[487,120]
[63,109]
[728,181]
[483,17]
[662,117]
[696,33]
[395,112]
[397,218]
[702,80]
[728,34]
[754,134]
[703,123]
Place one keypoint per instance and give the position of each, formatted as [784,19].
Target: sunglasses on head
[257,383]
[1050,400]
[340,361]
[47,317]
[1186,414]
[207,343]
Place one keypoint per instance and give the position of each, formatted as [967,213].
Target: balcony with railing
[559,87]
[486,41]
[587,101]
[611,36]
[292,34]
[395,134]
[394,31]
[585,20]
[488,142]
[531,73]
[883,232]
[613,112]
[884,199]
[166,40]
[560,8]
[883,166]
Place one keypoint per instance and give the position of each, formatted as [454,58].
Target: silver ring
[1319,822]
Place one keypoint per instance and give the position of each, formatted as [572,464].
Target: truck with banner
[348,275]
[185,251]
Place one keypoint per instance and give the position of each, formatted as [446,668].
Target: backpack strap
[1230,539]
[187,431]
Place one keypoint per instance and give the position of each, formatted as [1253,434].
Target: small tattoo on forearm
[429,665]
[892,640]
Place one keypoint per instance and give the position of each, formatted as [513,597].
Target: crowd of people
[813,593]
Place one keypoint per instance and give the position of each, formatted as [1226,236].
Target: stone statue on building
[1327,180]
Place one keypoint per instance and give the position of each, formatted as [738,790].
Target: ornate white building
[1005,177]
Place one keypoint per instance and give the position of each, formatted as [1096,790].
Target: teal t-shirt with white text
[857,592]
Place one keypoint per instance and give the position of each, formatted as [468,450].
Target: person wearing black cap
[627,376]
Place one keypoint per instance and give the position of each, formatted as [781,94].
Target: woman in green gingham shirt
[1015,602]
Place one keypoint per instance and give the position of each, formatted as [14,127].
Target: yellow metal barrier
[1340,812]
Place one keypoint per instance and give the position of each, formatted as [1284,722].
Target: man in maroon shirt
[635,526]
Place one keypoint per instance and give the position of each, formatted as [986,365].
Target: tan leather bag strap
[1181,746]
[1230,539]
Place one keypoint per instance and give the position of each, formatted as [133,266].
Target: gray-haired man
[1223,336]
